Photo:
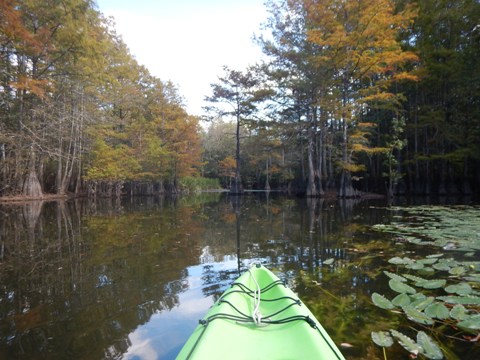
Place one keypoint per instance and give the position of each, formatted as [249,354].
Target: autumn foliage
[78,112]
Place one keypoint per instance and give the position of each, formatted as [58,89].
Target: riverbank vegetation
[79,114]
[358,96]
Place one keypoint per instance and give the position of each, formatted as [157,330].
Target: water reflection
[77,279]
[130,279]
[164,334]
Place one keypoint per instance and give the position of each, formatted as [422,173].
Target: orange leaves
[12,29]
[227,167]
[379,97]
[34,86]
[183,140]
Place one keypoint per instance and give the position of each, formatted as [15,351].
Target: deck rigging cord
[257,296]
[256,317]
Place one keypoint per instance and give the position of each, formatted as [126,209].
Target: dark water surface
[130,279]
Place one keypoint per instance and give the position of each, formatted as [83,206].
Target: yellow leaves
[379,97]
[359,37]
[405,76]
[227,166]
[365,124]
[363,148]
[359,148]
[352,168]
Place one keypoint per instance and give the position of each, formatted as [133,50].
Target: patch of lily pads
[451,299]
[437,292]
[451,228]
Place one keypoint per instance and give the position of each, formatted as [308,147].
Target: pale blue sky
[188,41]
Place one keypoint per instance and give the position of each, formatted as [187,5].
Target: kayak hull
[258,317]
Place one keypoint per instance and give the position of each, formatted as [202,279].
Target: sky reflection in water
[164,334]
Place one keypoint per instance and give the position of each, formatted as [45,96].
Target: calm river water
[129,279]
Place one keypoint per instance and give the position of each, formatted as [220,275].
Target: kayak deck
[258,317]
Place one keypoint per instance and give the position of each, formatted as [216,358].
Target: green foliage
[382,338]
[192,184]
[111,163]
[96,111]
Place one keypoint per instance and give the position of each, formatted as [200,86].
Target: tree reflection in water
[130,279]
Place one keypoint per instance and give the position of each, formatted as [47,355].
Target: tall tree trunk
[320,157]
[237,187]
[311,186]
[346,189]
[267,183]
[3,169]
[31,185]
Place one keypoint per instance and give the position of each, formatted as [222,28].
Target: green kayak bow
[259,317]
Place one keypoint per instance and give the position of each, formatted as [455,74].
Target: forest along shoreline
[369,97]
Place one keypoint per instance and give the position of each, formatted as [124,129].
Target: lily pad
[459,312]
[400,261]
[382,338]
[427,261]
[441,266]
[449,261]
[414,278]
[457,270]
[437,310]
[430,348]
[382,302]
[401,300]
[395,276]
[401,287]
[418,316]
[471,324]
[418,296]
[459,289]
[426,271]
[422,303]
[408,344]
[432,284]
[464,300]
[415,266]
